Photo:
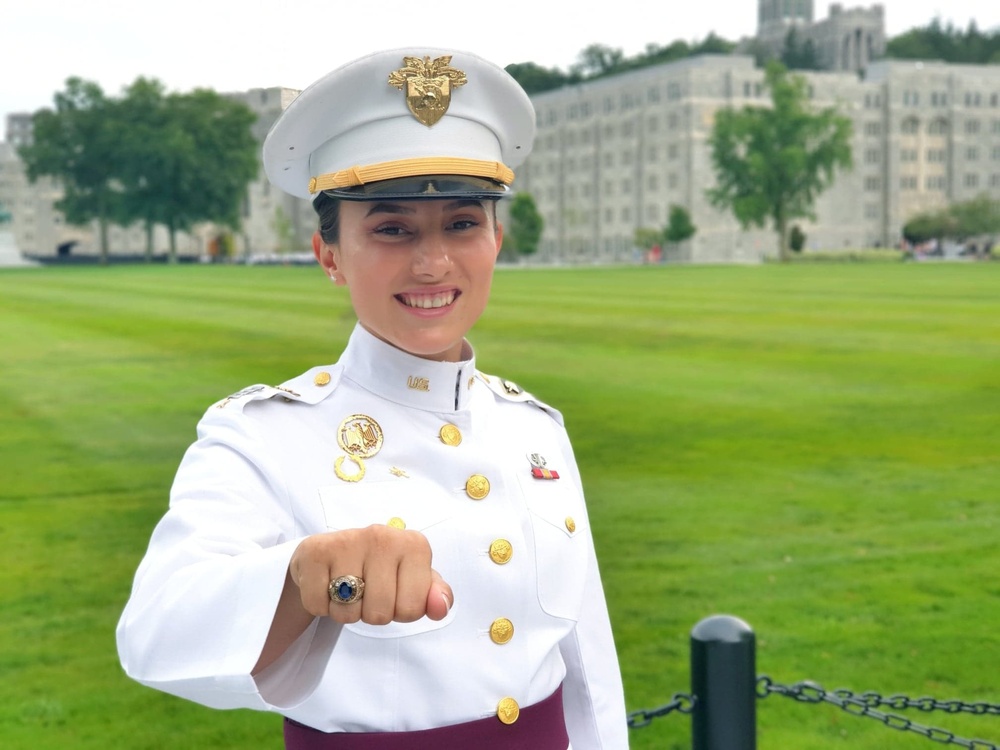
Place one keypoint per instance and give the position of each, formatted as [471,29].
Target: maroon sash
[538,727]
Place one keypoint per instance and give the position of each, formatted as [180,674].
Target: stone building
[848,39]
[613,155]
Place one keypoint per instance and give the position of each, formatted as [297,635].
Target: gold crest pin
[360,437]
[428,84]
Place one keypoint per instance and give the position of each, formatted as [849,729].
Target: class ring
[346,589]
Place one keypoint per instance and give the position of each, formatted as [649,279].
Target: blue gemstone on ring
[345,590]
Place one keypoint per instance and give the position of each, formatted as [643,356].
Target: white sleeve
[206,591]
[593,696]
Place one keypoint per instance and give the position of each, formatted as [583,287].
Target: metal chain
[865,705]
[682,703]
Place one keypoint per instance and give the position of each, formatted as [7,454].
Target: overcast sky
[233,46]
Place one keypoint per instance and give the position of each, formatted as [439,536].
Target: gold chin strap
[390,170]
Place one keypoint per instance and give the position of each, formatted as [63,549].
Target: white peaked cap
[383,125]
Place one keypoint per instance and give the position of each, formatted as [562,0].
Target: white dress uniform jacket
[529,610]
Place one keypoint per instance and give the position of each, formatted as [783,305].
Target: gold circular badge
[508,710]
[501,551]
[451,435]
[396,522]
[477,487]
[501,631]
[360,436]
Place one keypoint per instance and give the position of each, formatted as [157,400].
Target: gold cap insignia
[360,436]
[428,86]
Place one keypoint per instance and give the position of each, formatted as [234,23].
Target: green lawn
[815,449]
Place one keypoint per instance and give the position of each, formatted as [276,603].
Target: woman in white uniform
[391,551]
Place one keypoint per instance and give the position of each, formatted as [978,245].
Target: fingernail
[447,600]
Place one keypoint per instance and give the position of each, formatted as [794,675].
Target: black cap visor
[423,187]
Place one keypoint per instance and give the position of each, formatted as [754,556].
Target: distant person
[392,551]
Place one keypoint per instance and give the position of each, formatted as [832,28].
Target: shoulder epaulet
[310,387]
[508,390]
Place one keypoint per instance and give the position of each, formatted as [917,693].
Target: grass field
[813,449]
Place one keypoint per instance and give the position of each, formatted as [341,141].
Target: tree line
[936,41]
[147,156]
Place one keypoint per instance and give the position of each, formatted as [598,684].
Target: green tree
[526,224]
[798,55]
[770,164]
[534,78]
[932,225]
[77,145]
[598,60]
[146,153]
[209,157]
[679,225]
[938,41]
[978,216]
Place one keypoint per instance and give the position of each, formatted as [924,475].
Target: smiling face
[418,272]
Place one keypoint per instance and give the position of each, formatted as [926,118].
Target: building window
[908,155]
[872,210]
[626,186]
[873,129]
[936,155]
[672,181]
[910,126]
[936,182]
[996,153]
[972,127]
[652,212]
[626,214]
[653,183]
[971,181]
[652,95]
[995,181]
[911,98]
[972,153]
[938,127]
[973,99]
[673,91]
[873,156]
[873,183]
[908,183]
[939,99]
[672,151]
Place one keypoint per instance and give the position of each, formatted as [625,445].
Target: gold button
[396,523]
[451,435]
[501,551]
[508,710]
[477,487]
[322,378]
[570,524]
[501,631]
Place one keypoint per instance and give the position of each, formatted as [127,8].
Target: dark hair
[328,209]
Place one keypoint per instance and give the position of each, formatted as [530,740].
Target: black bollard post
[724,683]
